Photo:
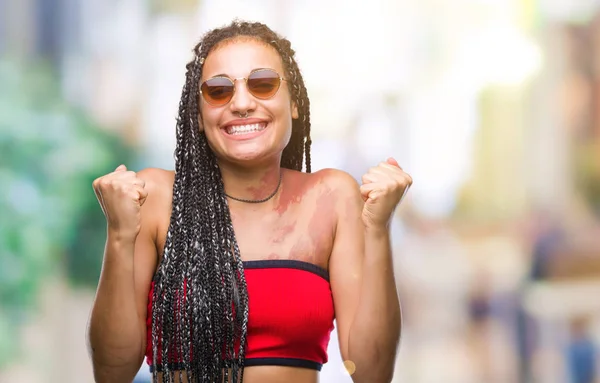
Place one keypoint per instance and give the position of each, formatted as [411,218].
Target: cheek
[287,123]
[286,113]
[207,119]
[207,124]
[287,134]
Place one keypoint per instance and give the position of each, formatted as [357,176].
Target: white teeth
[245,129]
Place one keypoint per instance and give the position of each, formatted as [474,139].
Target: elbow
[113,365]
[114,360]
[115,372]
[385,371]
[378,374]
[110,375]
[377,367]
[387,374]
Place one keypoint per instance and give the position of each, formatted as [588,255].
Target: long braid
[300,141]
[195,332]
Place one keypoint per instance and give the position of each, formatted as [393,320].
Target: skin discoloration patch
[292,192]
[294,189]
[283,232]
[300,226]
[321,223]
[267,182]
[315,243]
[302,251]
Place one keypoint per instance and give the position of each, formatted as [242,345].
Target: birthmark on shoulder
[296,187]
[322,222]
[291,192]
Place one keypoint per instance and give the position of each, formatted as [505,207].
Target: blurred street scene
[493,107]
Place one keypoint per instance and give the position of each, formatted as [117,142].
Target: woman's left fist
[382,189]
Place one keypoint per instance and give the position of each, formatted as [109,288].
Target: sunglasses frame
[233,80]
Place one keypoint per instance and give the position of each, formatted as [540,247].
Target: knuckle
[395,186]
[124,189]
[104,183]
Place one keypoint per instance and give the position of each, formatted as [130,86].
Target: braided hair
[200,297]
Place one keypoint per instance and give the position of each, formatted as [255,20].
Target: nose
[242,101]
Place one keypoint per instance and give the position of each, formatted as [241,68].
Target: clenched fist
[121,195]
[383,188]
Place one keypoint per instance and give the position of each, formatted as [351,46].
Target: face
[266,131]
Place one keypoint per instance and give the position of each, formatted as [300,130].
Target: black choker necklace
[259,200]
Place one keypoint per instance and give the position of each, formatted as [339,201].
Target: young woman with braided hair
[234,266]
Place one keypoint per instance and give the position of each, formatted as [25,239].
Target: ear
[295,114]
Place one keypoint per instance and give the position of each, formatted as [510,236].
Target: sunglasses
[261,83]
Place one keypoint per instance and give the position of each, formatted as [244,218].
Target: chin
[253,158]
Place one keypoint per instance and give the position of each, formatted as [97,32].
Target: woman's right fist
[121,195]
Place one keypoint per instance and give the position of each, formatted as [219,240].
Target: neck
[253,184]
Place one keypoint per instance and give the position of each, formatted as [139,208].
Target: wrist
[121,237]
[377,230]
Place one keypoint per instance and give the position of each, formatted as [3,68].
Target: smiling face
[266,130]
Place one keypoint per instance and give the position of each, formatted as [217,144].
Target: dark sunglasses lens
[217,91]
[263,83]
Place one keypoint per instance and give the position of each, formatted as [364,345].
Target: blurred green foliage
[587,173]
[50,221]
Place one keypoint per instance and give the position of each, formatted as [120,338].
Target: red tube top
[290,314]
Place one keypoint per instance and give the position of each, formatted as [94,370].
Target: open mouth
[238,130]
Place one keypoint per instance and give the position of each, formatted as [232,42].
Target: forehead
[238,57]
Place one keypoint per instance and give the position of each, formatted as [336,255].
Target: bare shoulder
[337,187]
[159,185]
[339,182]
[158,181]
[331,180]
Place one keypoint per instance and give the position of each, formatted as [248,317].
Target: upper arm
[145,256]
[346,260]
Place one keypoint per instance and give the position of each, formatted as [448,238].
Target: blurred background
[491,105]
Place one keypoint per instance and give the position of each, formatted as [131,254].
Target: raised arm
[361,270]
[117,325]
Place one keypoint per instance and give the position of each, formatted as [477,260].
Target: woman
[234,266]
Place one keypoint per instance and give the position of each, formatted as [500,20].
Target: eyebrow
[229,77]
